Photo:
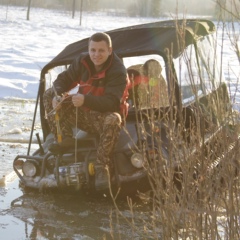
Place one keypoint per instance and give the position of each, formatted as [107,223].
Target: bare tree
[28,10]
[73,8]
[145,8]
[81,9]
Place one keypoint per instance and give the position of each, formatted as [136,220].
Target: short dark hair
[152,68]
[100,36]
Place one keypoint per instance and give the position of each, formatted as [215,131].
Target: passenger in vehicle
[148,87]
[100,104]
[156,92]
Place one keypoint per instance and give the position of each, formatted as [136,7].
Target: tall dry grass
[195,188]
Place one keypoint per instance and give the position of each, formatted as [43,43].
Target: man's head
[100,48]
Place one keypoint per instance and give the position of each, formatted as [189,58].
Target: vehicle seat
[134,76]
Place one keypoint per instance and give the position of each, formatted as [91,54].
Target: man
[100,104]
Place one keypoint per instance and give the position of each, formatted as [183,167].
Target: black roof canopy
[148,38]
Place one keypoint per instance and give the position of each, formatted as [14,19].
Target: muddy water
[16,118]
[34,215]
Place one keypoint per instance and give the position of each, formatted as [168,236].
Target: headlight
[18,164]
[29,168]
[137,160]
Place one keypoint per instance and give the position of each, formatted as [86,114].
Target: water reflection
[64,216]
[55,216]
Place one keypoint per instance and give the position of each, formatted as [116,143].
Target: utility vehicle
[178,105]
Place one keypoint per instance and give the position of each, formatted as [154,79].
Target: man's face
[99,53]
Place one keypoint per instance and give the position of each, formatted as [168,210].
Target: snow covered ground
[26,46]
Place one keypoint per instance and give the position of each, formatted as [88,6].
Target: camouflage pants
[106,125]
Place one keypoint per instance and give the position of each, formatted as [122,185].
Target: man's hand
[55,102]
[78,100]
